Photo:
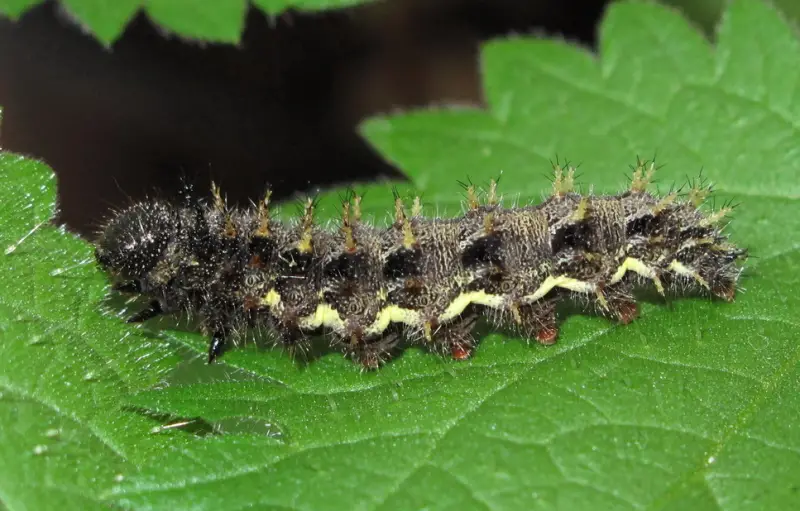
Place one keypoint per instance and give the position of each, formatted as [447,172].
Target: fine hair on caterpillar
[427,280]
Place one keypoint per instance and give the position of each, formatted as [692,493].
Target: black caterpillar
[428,279]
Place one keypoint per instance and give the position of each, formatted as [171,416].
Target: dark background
[279,108]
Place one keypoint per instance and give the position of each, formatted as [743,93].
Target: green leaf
[209,21]
[693,406]
[278,6]
[707,12]
[15,8]
[66,365]
[219,21]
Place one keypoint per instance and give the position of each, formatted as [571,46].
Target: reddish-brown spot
[460,351]
[627,312]
[413,284]
[255,261]
[250,302]
[230,230]
[547,335]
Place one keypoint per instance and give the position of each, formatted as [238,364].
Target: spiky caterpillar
[428,279]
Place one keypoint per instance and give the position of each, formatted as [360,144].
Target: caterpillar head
[135,240]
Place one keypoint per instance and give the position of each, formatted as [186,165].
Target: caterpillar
[426,280]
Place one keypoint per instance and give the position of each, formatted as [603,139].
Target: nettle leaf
[66,365]
[693,406]
[212,21]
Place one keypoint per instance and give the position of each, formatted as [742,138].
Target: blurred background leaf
[217,21]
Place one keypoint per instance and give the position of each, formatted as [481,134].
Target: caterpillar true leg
[538,321]
[455,338]
[372,355]
[216,346]
[130,286]
[153,310]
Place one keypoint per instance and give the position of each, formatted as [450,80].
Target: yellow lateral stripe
[578,286]
[563,281]
[464,300]
[271,299]
[637,266]
[392,314]
[548,284]
[681,269]
[324,315]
